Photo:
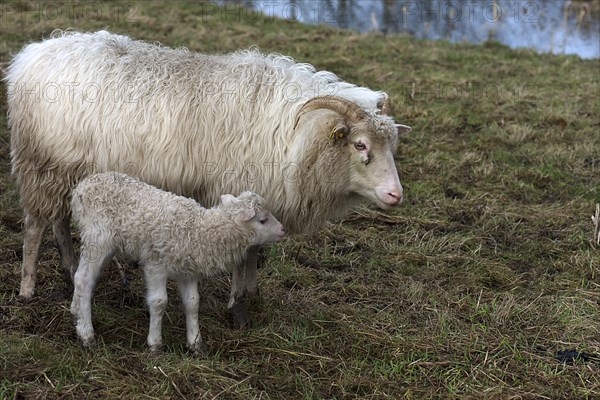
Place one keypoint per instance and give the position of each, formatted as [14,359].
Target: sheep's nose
[395,197]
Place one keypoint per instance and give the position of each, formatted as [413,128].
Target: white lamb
[171,236]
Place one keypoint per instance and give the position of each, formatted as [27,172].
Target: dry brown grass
[468,290]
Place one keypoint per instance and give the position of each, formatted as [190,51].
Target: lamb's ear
[227,199]
[403,129]
[246,215]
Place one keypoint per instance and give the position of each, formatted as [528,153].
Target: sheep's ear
[227,199]
[403,129]
[246,215]
[339,131]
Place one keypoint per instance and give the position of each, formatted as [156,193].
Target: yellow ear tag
[333,135]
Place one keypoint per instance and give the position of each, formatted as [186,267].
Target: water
[557,26]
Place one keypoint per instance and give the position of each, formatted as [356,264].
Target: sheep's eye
[359,146]
[263,221]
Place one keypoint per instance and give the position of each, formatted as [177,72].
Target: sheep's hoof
[198,350]
[253,294]
[67,279]
[254,301]
[241,319]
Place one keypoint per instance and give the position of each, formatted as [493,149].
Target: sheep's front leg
[188,289]
[62,231]
[251,282]
[241,319]
[156,283]
[32,241]
[243,284]
[89,269]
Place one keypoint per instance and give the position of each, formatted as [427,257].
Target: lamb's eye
[359,146]
[263,221]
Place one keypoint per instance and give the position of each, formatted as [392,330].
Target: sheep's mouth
[373,198]
[385,204]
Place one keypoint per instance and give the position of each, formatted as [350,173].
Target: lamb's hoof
[23,299]
[241,319]
[25,295]
[89,344]
[156,351]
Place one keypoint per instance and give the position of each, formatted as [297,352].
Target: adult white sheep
[193,124]
[171,236]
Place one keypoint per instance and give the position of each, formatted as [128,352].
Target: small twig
[122,273]
[479,299]
[171,381]
[50,323]
[48,380]
[533,301]
[227,389]
[431,363]
[375,215]
[296,353]
[596,222]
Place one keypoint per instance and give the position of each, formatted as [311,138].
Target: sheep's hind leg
[32,241]
[62,231]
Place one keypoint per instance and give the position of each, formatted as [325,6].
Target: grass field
[468,290]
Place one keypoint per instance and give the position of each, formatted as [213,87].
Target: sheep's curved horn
[384,104]
[342,106]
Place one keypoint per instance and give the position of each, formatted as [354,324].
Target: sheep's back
[194,124]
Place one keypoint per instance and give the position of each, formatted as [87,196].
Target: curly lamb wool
[171,236]
[194,124]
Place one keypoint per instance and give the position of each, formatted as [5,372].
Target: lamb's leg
[188,289]
[32,241]
[156,283]
[62,231]
[241,319]
[250,273]
[90,266]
